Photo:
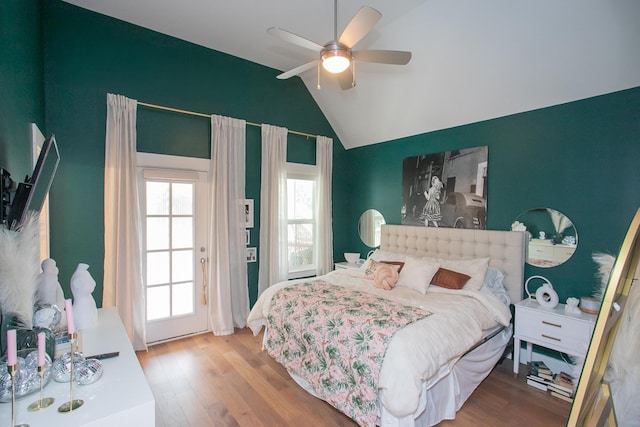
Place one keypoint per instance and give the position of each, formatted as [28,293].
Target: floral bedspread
[336,338]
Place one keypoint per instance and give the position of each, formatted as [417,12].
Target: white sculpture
[48,289]
[85,312]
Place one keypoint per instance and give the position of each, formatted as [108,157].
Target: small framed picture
[247,237]
[248,213]
[252,255]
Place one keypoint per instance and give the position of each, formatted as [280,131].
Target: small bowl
[589,305]
[352,257]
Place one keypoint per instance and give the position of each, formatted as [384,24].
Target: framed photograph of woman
[446,189]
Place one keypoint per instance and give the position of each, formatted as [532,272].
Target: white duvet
[416,352]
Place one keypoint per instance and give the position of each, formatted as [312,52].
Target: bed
[425,371]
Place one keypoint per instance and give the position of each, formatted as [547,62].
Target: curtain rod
[192,113]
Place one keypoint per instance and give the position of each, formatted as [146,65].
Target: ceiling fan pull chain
[318,87]
[353,74]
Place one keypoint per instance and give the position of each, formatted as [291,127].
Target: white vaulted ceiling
[472,60]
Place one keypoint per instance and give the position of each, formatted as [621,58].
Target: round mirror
[552,236]
[369,227]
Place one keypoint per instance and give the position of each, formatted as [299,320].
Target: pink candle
[41,346]
[12,357]
[71,327]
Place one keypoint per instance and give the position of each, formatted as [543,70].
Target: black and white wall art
[446,189]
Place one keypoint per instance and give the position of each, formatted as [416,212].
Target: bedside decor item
[85,311]
[572,305]
[589,305]
[545,295]
[352,257]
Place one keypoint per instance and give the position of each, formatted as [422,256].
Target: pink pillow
[372,267]
[386,276]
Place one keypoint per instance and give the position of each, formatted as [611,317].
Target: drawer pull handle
[551,338]
[551,324]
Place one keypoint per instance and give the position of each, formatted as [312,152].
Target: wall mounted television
[30,195]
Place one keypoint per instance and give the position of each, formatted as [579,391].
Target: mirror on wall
[552,236]
[369,227]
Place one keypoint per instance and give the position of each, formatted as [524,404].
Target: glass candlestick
[43,402]
[72,403]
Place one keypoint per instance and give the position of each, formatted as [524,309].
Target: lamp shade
[335,60]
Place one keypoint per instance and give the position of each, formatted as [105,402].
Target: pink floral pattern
[336,339]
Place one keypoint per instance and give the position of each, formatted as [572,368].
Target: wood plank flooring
[206,380]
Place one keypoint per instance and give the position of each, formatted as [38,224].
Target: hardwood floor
[206,380]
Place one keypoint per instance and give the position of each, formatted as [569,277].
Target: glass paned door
[174,214]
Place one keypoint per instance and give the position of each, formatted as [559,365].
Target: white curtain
[274,266]
[122,284]
[229,306]
[324,164]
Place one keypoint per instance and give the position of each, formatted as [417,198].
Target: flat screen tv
[30,194]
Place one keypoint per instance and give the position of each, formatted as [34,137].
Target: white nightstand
[551,328]
[346,265]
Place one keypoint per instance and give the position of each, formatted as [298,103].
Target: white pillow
[417,274]
[476,268]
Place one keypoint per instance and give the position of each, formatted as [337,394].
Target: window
[301,221]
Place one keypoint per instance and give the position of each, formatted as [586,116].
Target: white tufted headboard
[507,249]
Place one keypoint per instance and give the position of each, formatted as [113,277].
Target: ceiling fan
[337,55]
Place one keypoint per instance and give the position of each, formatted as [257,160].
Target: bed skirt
[444,394]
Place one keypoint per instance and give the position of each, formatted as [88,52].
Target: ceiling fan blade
[294,38]
[395,57]
[361,23]
[299,69]
[345,79]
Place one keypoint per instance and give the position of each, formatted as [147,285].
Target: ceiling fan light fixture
[335,60]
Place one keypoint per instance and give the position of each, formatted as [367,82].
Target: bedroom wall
[88,55]
[580,158]
[21,83]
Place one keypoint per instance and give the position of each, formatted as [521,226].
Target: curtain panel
[229,305]
[274,265]
[123,286]
[324,165]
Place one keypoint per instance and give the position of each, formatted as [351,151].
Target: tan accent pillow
[449,279]
[373,266]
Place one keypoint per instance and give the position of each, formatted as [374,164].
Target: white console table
[122,396]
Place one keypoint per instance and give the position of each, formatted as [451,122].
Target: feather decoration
[19,268]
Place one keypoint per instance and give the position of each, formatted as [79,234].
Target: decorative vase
[85,311]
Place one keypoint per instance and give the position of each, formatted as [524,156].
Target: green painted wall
[21,83]
[579,158]
[88,55]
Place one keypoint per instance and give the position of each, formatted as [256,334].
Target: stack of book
[559,385]
[562,386]
[540,376]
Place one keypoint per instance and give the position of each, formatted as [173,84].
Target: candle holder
[72,403]
[12,372]
[43,402]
